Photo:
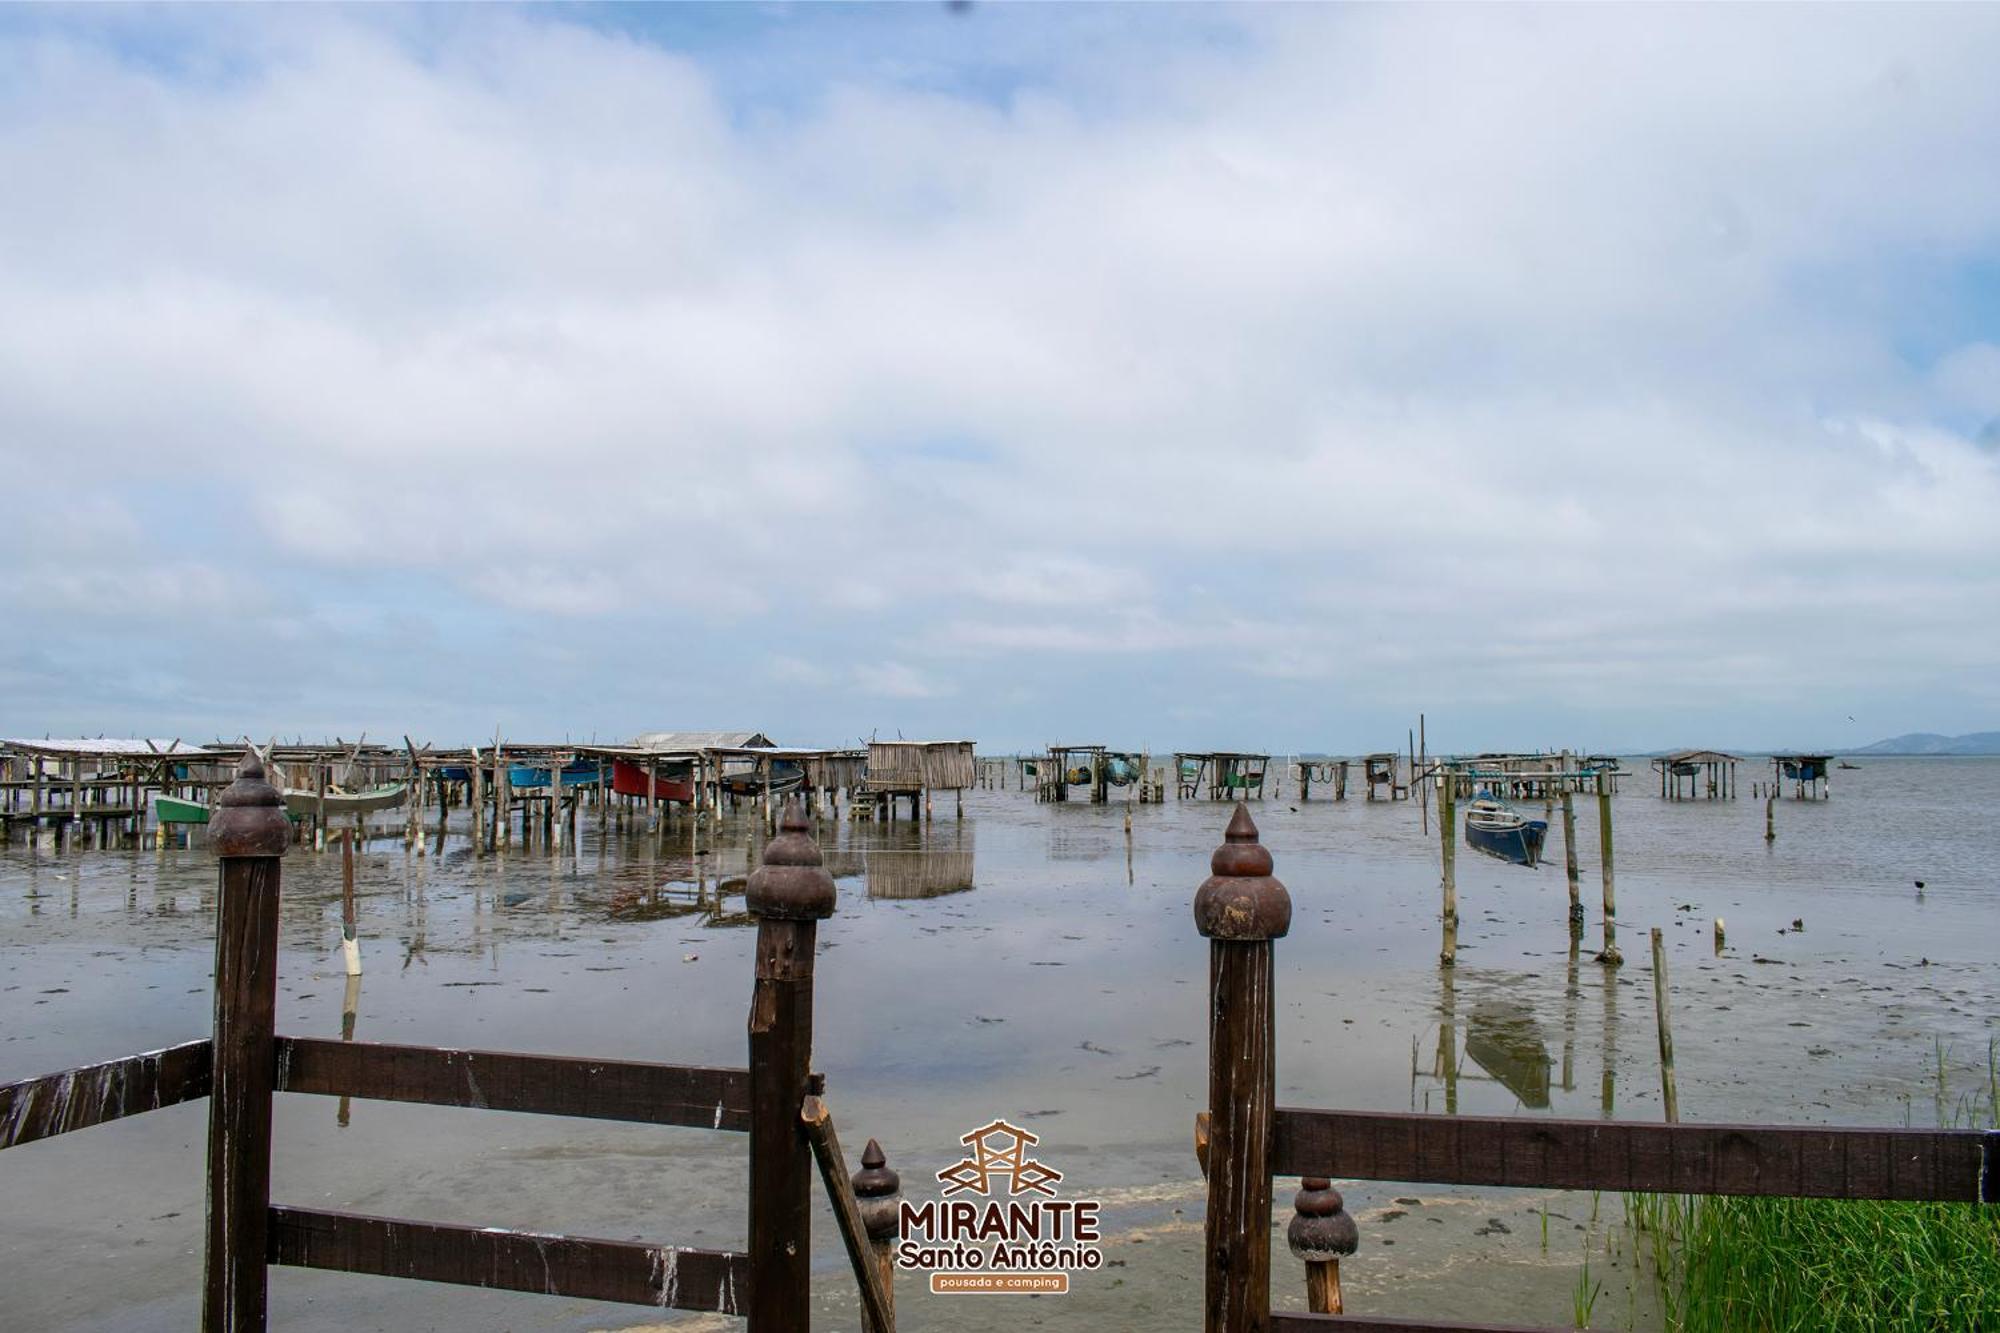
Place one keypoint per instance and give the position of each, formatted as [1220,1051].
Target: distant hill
[1928,742]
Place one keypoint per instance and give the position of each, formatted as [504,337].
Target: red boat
[676,782]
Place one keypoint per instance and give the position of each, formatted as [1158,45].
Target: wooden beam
[41,1108]
[629,1272]
[878,1310]
[1335,1323]
[1798,1162]
[630,1090]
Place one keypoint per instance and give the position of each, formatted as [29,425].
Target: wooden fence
[776,1100]
[1245,1138]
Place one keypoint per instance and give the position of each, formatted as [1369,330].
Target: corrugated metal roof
[102,746]
[699,740]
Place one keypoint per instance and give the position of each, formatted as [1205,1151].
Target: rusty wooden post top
[792,884]
[249,819]
[1320,1228]
[1241,900]
[878,1191]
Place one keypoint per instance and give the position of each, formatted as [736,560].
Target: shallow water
[1017,963]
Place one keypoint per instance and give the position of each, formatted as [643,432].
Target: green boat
[174,810]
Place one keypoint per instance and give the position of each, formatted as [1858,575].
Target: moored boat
[1492,828]
[177,810]
[676,781]
[576,773]
[387,797]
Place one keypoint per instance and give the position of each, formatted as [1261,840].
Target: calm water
[1016,963]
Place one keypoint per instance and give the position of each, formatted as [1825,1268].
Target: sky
[1159,376]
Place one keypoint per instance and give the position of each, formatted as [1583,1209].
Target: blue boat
[1492,828]
[577,773]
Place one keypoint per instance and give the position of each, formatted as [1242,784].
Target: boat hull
[174,810]
[1522,845]
[675,783]
[526,777]
[301,802]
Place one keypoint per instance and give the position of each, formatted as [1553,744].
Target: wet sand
[1061,990]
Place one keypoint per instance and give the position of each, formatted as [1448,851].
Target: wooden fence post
[1240,909]
[878,1192]
[249,834]
[1321,1235]
[788,894]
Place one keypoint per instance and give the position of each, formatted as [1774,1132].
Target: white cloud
[1569,336]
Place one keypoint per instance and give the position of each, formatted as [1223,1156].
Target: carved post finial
[1241,900]
[878,1191]
[249,819]
[1321,1234]
[792,884]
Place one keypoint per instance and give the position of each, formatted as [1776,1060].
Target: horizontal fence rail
[628,1272]
[41,1108]
[1793,1161]
[630,1090]
[1352,1323]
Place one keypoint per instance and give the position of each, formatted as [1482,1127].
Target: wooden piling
[1569,861]
[789,894]
[1240,909]
[1770,817]
[1665,1025]
[1610,956]
[350,944]
[249,833]
[1448,859]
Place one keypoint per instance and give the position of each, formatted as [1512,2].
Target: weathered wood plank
[1799,1161]
[41,1108]
[628,1272]
[631,1090]
[1335,1323]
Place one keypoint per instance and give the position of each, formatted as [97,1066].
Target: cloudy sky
[1161,376]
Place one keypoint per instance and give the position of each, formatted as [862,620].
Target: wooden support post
[248,833]
[321,772]
[503,796]
[1321,1234]
[789,894]
[1448,857]
[1610,957]
[879,1197]
[1569,861]
[350,944]
[1240,909]
[1770,818]
[479,842]
[1664,1022]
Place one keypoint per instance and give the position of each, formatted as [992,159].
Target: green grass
[1779,1265]
[1755,1265]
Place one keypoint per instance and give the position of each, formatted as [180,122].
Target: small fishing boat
[1492,828]
[176,810]
[387,797]
[180,810]
[676,781]
[576,773]
[1120,771]
[785,776]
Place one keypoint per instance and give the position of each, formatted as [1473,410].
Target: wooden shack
[915,769]
[1706,775]
[1809,774]
[1220,775]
